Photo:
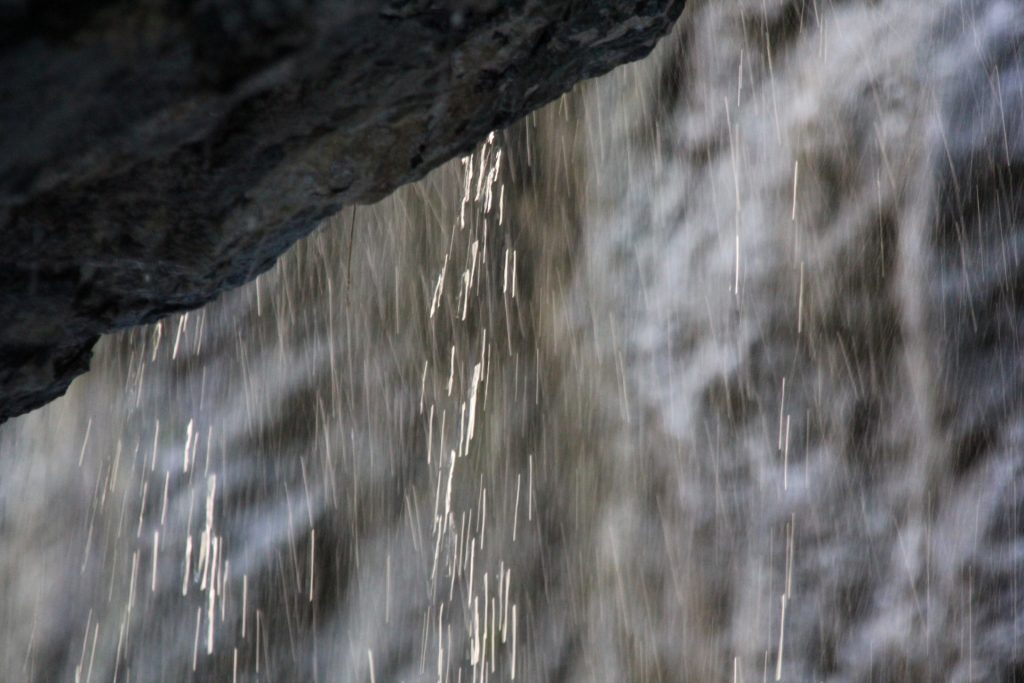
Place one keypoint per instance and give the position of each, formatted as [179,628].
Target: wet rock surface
[155,154]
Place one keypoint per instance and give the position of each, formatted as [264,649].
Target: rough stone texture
[153,154]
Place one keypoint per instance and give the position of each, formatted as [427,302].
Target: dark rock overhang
[154,154]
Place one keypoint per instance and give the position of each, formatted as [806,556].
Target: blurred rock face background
[710,371]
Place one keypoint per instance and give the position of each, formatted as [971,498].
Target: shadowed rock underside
[153,155]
